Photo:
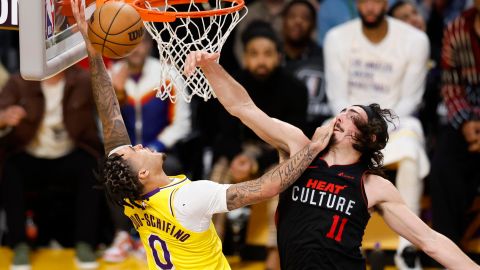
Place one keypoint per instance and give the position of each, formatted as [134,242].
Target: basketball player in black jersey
[322,217]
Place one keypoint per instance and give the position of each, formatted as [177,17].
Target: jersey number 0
[166,263]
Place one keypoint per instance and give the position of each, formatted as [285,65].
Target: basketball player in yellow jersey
[174,223]
[173,214]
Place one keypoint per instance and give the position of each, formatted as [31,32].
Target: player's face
[143,158]
[372,12]
[261,57]
[409,14]
[345,128]
[298,23]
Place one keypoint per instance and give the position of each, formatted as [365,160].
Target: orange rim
[170,16]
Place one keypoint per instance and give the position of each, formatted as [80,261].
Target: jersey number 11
[333,228]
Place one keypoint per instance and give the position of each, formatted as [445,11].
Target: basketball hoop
[182,26]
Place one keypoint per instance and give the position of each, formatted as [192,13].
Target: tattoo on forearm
[114,130]
[279,178]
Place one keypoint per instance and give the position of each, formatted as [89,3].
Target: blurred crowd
[301,61]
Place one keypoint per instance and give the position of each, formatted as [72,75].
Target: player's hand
[12,116]
[198,59]
[78,10]
[322,135]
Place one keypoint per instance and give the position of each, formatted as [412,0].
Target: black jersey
[322,217]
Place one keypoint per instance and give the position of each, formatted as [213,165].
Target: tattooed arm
[114,130]
[282,176]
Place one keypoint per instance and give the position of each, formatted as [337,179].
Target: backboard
[49,40]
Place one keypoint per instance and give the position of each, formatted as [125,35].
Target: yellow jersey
[168,244]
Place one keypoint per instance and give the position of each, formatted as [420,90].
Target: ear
[143,174]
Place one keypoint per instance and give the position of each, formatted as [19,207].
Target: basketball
[115,29]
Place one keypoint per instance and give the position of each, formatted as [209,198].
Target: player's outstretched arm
[282,176]
[387,200]
[114,130]
[237,102]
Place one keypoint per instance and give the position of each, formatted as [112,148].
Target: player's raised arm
[237,102]
[114,131]
[282,176]
[385,197]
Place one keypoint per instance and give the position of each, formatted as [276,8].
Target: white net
[175,40]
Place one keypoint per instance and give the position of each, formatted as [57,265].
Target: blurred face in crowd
[409,14]
[477,5]
[372,12]
[137,58]
[261,57]
[298,24]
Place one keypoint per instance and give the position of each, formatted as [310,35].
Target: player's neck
[341,155]
[156,181]
[377,34]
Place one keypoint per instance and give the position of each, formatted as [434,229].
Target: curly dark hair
[120,181]
[373,136]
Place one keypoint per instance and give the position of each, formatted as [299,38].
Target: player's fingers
[12,120]
[214,56]
[16,120]
[14,117]
[191,63]
[186,66]
[19,110]
[332,122]
[74,8]
[328,127]
[76,11]
[81,10]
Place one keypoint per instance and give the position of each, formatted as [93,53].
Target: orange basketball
[115,29]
